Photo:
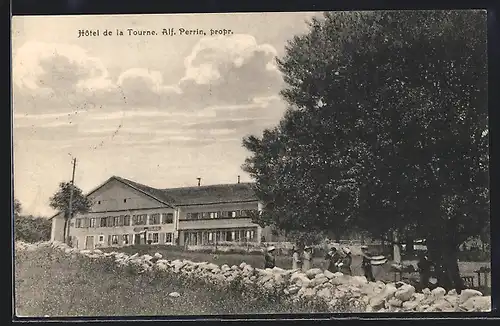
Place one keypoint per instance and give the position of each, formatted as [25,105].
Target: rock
[318,281]
[438,292]
[339,280]
[469,293]
[319,275]
[158,255]
[174,294]
[303,281]
[338,274]
[441,305]
[277,270]
[452,292]
[395,302]
[293,289]
[377,303]
[418,296]
[242,265]
[328,274]
[405,292]
[410,305]
[325,294]
[269,285]
[313,272]
[477,304]
[147,257]
[279,279]
[358,280]
[309,293]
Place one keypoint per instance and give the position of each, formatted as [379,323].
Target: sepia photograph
[251,163]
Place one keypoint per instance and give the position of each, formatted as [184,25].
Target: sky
[160,110]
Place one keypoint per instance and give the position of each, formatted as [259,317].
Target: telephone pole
[70,206]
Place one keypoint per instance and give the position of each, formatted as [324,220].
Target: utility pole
[70,208]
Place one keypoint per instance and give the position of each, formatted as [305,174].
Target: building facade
[125,212]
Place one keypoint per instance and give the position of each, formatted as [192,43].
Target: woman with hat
[295,258]
[366,264]
[306,258]
[269,259]
[345,264]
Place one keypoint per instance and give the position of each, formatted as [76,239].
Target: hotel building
[125,212]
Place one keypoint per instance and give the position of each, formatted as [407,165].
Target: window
[139,219]
[125,200]
[154,237]
[103,222]
[205,215]
[114,239]
[99,202]
[154,219]
[210,236]
[214,214]
[168,237]
[101,238]
[92,223]
[78,223]
[168,218]
[109,221]
[116,221]
[126,220]
[195,216]
[229,236]
[126,239]
[232,214]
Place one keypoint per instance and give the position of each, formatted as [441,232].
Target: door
[137,238]
[89,242]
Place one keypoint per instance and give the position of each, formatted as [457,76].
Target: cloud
[219,71]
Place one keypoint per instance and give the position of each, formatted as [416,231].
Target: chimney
[238,179]
[199,181]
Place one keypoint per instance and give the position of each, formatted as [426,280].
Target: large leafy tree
[60,201]
[386,130]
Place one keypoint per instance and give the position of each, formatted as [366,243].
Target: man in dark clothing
[333,257]
[424,269]
[269,259]
[366,264]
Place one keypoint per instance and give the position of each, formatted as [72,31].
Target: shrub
[31,229]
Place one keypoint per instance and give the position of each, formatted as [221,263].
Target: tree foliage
[17,207]
[386,130]
[61,199]
[31,229]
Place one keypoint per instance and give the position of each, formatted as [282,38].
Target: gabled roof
[210,194]
[185,196]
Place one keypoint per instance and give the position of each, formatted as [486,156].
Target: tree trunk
[65,231]
[410,248]
[443,254]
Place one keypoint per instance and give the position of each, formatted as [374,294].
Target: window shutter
[120,220]
[109,240]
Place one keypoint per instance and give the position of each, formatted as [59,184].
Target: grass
[48,282]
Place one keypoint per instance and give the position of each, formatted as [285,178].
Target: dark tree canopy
[386,129]
[60,200]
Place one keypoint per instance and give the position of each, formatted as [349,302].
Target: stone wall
[315,284]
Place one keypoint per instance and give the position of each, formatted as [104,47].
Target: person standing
[424,269]
[333,257]
[366,264]
[345,263]
[295,258]
[306,259]
[269,258]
